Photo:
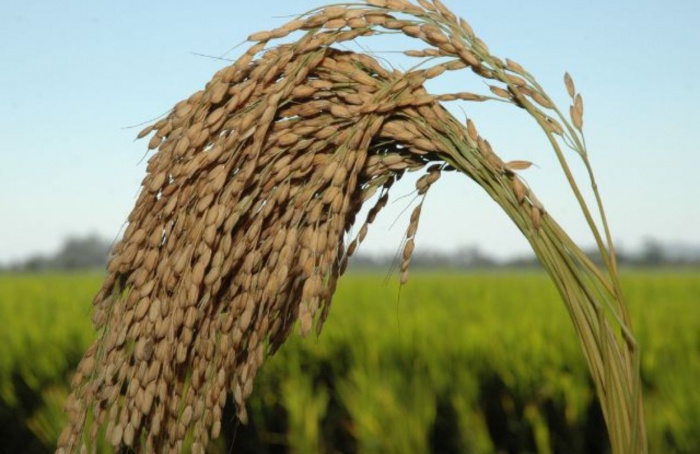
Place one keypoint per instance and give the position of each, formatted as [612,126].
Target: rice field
[450,362]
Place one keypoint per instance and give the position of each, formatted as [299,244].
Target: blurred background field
[477,362]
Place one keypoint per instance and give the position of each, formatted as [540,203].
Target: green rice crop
[454,362]
[46,328]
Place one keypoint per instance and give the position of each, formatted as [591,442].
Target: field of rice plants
[478,362]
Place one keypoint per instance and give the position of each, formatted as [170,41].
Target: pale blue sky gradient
[74,74]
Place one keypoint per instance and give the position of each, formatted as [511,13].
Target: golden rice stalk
[242,224]
[515,66]
[569,82]
[517,165]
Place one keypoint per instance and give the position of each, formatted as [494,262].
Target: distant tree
[652,253]
[82,252]
[37,263]
[472,257]
[76,253]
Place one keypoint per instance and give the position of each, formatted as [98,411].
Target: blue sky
[75,75]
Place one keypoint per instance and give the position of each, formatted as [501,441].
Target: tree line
[92,252]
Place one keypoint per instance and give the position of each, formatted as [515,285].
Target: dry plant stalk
[242,225]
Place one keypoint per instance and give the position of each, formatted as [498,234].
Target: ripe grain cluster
[245,220]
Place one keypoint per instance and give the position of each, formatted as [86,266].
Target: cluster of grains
[422,186]
[241,226]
